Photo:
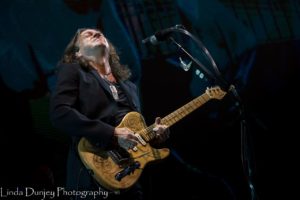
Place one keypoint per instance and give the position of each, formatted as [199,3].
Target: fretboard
[177,115]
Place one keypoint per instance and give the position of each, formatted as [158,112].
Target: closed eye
[87,34]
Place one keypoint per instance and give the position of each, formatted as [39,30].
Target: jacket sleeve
[64,115]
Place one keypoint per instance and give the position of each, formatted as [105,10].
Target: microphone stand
[245,150]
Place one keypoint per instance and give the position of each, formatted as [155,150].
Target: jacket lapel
[101,81]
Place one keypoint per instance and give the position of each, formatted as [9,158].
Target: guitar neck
[178,114]
[183,111]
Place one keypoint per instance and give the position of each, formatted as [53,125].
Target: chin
[102,46]
[102,49]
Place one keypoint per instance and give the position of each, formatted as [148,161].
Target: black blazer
[82,105]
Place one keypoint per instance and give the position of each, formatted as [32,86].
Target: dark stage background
[255,44]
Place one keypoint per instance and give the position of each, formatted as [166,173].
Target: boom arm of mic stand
[208,56]
[218,77]
[203,68]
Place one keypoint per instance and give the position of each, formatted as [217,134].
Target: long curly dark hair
[121,72]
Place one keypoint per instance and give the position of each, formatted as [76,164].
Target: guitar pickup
[141,140]
[127,170]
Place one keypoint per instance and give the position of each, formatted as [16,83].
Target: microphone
[161,35]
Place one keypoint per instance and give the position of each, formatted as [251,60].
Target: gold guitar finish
[104,168]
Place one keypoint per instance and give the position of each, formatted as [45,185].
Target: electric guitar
[119,168]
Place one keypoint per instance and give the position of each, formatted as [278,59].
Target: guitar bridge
[127,170]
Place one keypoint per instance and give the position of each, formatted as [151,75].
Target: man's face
[91,38]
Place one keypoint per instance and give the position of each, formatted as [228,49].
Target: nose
[97,35]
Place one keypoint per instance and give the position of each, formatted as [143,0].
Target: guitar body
[104,168]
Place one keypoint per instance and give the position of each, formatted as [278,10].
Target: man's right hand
[126,138]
